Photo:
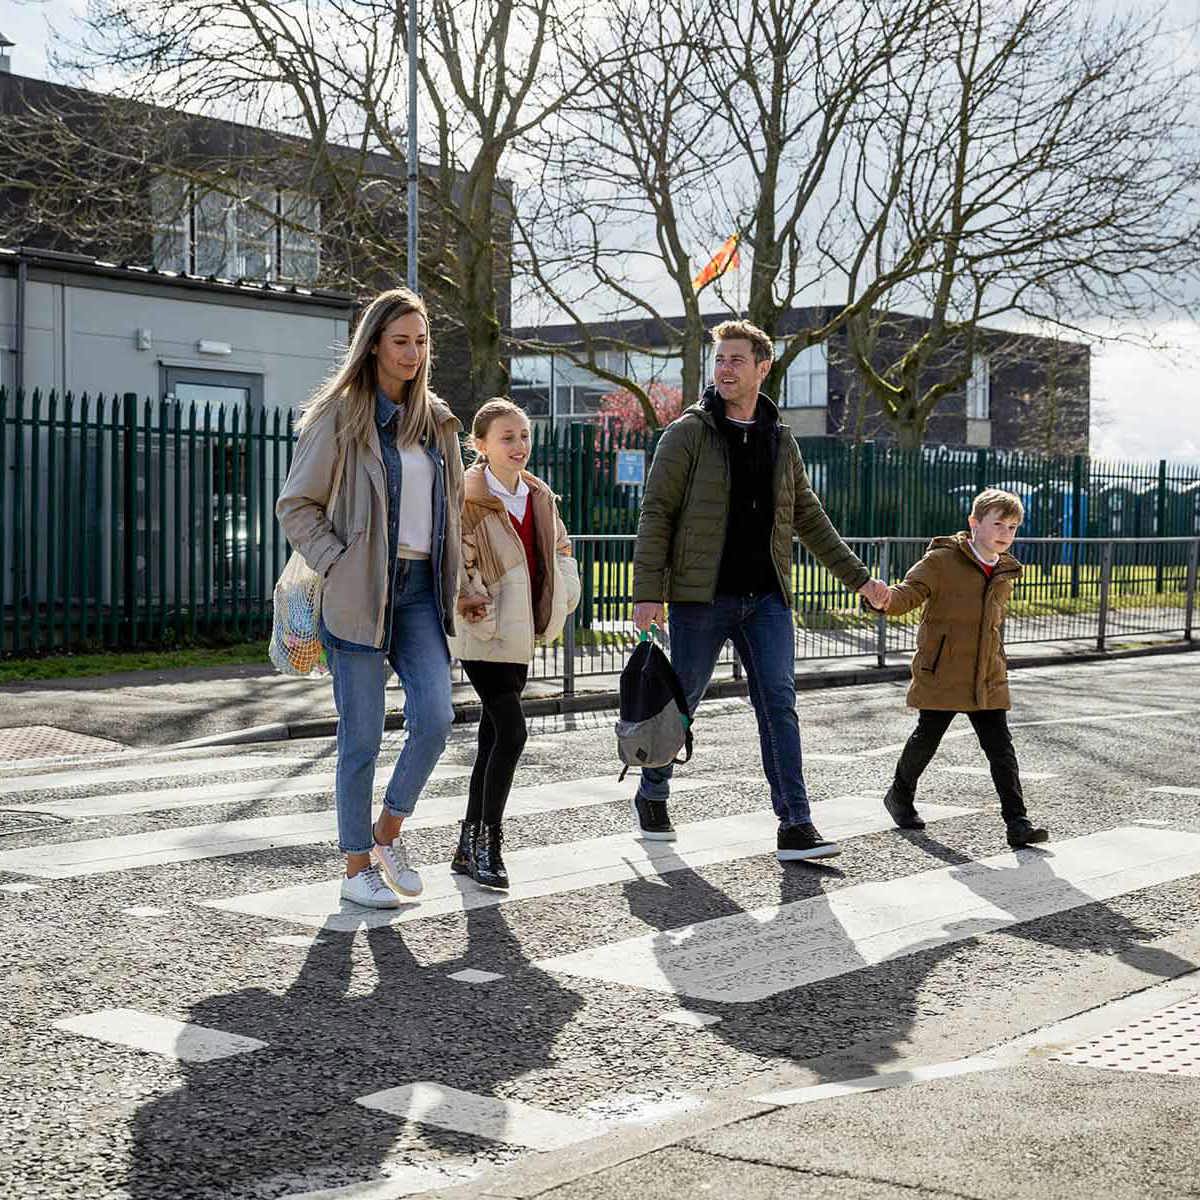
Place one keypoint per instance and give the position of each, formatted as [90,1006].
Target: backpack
[654,724]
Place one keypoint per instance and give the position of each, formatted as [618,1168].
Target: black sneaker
[904,813]
[1023,832]
[798,842]
[651,821]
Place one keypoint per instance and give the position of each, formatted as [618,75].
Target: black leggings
[991,727]
[502,735]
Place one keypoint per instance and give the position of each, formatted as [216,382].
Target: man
[726,493]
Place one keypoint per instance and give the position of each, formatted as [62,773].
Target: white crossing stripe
[471,975]
[165,1036]
[689,1017]
[1176,791]
[986,772]
[400,1181]
[162,799]
[97,856]
[144,910]
[96,776]
[752,955]
[488,1117]
[23,886]
[552,870]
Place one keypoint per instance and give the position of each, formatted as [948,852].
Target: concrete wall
[81,335]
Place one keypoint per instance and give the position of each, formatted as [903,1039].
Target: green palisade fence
[130,522]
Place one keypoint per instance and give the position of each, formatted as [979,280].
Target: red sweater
[524,528]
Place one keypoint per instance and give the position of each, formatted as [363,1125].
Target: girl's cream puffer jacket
[494,565]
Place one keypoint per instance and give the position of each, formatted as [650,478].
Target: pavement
[190,1013]
[227,705]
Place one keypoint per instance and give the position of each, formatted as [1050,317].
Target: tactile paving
[47,741]
[1164,1043]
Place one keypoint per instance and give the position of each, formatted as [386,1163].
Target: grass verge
[69,666]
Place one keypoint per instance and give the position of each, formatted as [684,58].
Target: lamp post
[413,171]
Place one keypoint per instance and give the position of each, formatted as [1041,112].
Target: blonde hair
[1009,505]
[729,331]
[489,411]
[352,386]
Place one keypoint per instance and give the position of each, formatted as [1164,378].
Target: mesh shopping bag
[295,629]
[295,641]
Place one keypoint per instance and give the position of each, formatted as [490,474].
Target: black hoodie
[747,565]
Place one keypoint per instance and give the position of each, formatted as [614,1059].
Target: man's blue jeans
[760,628]
[418,653]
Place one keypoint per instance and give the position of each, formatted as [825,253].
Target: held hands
[473,608]
[647,614]
[877,594]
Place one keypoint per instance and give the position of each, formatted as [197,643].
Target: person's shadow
[284,1119]
[786,982]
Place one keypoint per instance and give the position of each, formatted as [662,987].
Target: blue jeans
[418,653]
[760,627]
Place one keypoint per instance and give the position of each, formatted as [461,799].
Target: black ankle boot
[489,866]
[463,862]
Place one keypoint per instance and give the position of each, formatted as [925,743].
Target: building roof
[82,264]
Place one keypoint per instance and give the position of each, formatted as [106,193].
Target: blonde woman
[389,553]
[519,584]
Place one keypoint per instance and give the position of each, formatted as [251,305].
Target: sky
[1146,401]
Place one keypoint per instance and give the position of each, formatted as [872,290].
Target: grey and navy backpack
[655,724]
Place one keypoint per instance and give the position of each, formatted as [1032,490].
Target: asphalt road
[643,1006]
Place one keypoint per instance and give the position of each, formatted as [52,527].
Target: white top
[515,501]
[987,562]
[416,500]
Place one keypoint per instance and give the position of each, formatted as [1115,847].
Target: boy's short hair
[1009,505]
[728,331]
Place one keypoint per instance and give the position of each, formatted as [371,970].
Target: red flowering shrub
[622,410]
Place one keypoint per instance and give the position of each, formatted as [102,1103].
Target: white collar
[498,489]
[974,551]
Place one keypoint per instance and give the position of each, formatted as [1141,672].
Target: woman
[519,584]
[389,554]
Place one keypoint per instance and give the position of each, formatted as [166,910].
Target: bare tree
[626,188]
[1045,160]
[333,73]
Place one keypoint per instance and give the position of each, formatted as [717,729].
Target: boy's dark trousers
[991,727]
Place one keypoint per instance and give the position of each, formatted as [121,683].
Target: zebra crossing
[444,1120]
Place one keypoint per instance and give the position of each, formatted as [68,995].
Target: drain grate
[1164,1043]
[48,741]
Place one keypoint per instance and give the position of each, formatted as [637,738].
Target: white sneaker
[368,889]
[395,868]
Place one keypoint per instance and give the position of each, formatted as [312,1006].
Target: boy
[965,583]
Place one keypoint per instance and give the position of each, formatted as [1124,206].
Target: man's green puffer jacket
[681,530]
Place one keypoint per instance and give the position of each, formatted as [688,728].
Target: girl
[519,583]
[388,549]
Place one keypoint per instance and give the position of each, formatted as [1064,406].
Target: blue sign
[631,467]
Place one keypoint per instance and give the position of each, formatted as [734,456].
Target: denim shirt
[385,414]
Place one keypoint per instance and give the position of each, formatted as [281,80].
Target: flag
[725,259]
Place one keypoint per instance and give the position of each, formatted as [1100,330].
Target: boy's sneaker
[1023,832]
[651,821]
[903,812]
[395,868]
[799,842]
[368,889]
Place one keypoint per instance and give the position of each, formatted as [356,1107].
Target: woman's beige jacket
[350,546]
[494,564]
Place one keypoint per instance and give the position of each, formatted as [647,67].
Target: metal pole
[569,656]
[1189,615]
[881,625]
[413,165]
[20,318]
[1106,566]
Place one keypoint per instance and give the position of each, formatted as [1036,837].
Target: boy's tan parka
[493,564]
[960,664]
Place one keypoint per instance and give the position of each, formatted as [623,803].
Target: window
[979,390]
[531,382]
[269,233]
[806,384]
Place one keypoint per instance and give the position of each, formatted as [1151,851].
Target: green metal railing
[129,522]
